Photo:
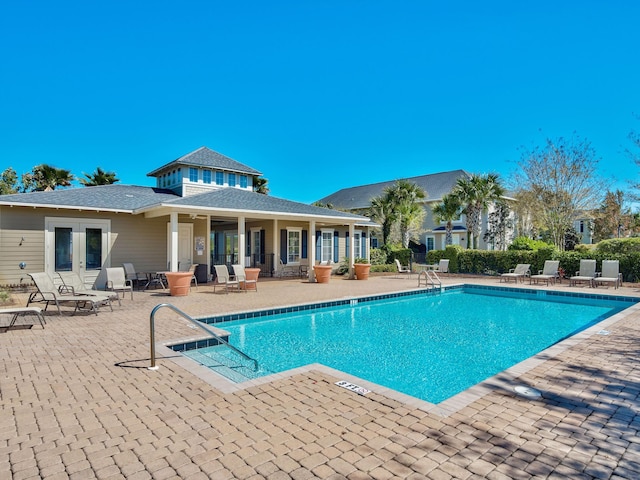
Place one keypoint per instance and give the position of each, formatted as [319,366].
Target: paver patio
[77,401]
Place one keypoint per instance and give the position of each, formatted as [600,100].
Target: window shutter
[318,245]
[248,254]
[336,244]
[303,254]
[262,246]
[346,246]
[283,245]
[363,245]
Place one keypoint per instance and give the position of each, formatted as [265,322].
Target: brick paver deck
[77,401]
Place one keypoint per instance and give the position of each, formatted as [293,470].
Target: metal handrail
[197,324]
[430,277]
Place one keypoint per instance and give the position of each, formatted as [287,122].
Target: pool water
[428,346]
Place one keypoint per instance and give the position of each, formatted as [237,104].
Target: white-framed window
[430,243]
[243,181]
[219,178]
[206,176]
[256,246]
[193,174]
[326,243]
[294,245]
[232,179]
[357,243]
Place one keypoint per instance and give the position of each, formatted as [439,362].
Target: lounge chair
[223,278]
[586,273]
[136,278]
[73,285]
[522,270]
[190,268]
[117,281]
[610,274]
[442,266]
[48,293]
[402,270]
[549,273]
[22,312]
[241,276]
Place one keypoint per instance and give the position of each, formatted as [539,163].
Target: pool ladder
[430,277]
[198,324]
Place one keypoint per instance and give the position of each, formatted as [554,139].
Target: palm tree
[260,185]
[99,177]
[380,210]
[405,199]
[447,211]
[475,193]
[46,177]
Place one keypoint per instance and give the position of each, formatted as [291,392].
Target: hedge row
[497,262]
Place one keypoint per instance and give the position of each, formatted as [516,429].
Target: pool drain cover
[527,391]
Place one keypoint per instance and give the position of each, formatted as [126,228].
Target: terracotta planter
[252,274]
[322,272]
[362,270]
[179,283]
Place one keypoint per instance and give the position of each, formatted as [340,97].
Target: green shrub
[619,245]
[4,296]
[526,243]
[402,254]
[378,256]
[383,268]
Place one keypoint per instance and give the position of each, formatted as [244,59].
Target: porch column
[368,245]
[311,250]
[276,247]
[352,250]
[174,241]
[242,241]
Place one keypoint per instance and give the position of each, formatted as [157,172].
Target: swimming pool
[427,346]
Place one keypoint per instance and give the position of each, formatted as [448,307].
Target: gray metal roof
[133,199]
[123,198]
[436,185]
[206,158]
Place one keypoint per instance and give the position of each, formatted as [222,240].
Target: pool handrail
[197,324]
[430,277]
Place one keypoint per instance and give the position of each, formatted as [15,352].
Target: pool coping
[506,380]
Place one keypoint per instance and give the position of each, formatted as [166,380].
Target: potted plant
[361,267]
[322,272]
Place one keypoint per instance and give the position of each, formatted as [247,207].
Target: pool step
[226,362]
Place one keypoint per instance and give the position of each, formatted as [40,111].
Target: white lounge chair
[223,278]
[442,266]
[117,281]
[549,272]
[23,312]
[190,268]
[402,270]
[522,270]
[586,273]
[73,284]
[610,274]
[48,293]
[241,277]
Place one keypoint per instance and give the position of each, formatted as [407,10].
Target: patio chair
[191,267]
[48,293]
[287,270]
[610,274]
[586,273]
[136,278]
[73,284]
[23,312]
[522,270]
[442,266]
[402,270]
[241,276]
[223,278]
[549,273]
[117,281]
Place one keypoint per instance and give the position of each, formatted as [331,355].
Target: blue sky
[318,95]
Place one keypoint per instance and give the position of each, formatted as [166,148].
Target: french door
[76,245]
